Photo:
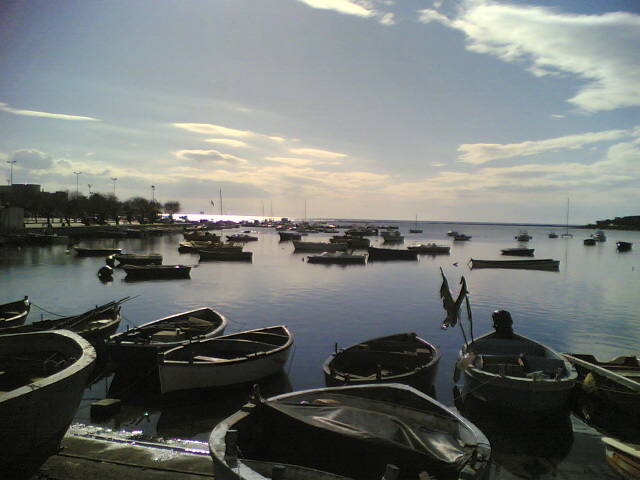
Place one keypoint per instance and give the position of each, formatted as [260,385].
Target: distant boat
[241,237]
[567,234]
[553,235]
[340,258]
[225,255]
[452,233]
[157,272]
[430,248]
[518,251]
[96,252]
[538,264]
[415,229]
[461,237]
[137,259]
[376,253]
[523,236]
[392,236]
[589,241]
[44,375]
[300,246]
[599,236]
[624,246]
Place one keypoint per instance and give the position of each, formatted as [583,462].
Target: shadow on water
[527,449]
[188,414]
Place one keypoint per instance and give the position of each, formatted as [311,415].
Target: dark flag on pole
[452,307]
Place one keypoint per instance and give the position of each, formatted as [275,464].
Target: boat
[553,235]
[95,325]
[430,248]
[138,259]
[140,345]
[392,236]
[96,252]
[241,237]
[461,237]
[517,374]
[401,358]
[201,236]
[538,264]
[225,255]
[415,229]
[452,233]
[157,272]
[340,258]
[589,241]
[354,432]
[229,360]
[623,458]
[193,246]
[367,231]
[14,313]
[616,382]
[624,246]
[352,241]
[377,253]
[300,246]
[44,375]
[518,251]
[599,236]
[289,235]
[523,236]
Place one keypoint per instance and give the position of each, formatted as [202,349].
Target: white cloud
[602,50]
[362,8]
[228,142]
[209,129]
[56,116]
[312,152]
[31,159]
[209,156]
[485,152]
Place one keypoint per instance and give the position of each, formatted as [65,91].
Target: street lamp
[77,174]
[153,193]
[11,162]
[114,185]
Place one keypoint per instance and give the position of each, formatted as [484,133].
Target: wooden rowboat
[537,264]
[14,313]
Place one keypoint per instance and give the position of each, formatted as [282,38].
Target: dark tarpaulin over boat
[353,438]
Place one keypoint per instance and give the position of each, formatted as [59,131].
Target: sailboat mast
[221,214]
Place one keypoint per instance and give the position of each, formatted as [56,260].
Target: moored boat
[392,236]
[14,313]
[623,458]
[96,251]
[225,255]
[353,432]
[518,251]
[599,236]
[515,372]
[589,241]
[430,248]
[401,358]
[157,272]
[140,345]
[523,236]
[538,264]
[300,246]
[138,259]
[241,237]
[624,246]
[461,237]
[376,253]
[44,375]
[229,360]
[339,258]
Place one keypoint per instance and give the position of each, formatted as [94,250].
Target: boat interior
[28,367]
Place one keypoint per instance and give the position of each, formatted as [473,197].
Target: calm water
[591,305]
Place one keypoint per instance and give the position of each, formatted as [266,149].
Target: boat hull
[391,254]
[157,272]
[541,264]
[45,407]
[14,313]
[623,458]
[229,360]
[319,246]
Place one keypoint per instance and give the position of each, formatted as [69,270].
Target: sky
[462,111]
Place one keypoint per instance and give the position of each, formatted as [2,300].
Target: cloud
[480,153]
[57,116]
[228,142]
[31,159]
[209,156]
[602,50]
[209,129]
[362,8]
[312,152]
[298,162]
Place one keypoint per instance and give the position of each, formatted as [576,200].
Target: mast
[221,214]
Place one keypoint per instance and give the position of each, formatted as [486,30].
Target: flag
[451,307]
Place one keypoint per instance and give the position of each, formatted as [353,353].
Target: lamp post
[153,193]
[114,185]
[77,174]
[11,162]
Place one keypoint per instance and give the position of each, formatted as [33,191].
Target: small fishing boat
[518,251]
[300,246]
[137,259]
[616,381]
[517,374]
[44,375]
[141,344]
[415,229]
[392,236]
[95,325]
[431,248]
[377,253]
[157,272]
[357,432]
[96,251]
[599,236]
[523,236]
[589,241]
[624,246]
[539,264]
[229,360]
[290,235]
[202,236]
[339,258]
[553,235]
[461,237]
[452,233]
[14,313]
[225,255]
[193,246]
[241,237]
[623,458]
[352,241]
[400,358]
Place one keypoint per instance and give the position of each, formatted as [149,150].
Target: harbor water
[590,305]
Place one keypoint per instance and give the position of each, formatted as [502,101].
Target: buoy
[111,261]
[105,272]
